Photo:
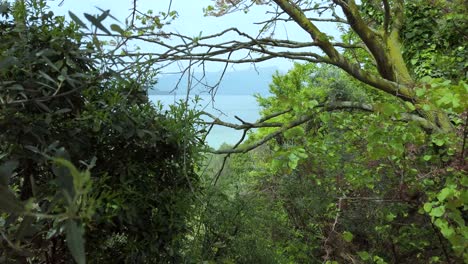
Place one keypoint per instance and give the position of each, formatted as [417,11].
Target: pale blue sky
[191,21]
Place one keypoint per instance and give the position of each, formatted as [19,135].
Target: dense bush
[133,197]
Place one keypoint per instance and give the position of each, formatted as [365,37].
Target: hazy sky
[191,21]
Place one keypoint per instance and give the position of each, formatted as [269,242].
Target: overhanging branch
[283,127]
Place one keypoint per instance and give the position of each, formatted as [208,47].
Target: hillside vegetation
[359,155]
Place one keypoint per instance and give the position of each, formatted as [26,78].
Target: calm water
[225,107]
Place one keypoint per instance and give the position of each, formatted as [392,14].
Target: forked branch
[283,127]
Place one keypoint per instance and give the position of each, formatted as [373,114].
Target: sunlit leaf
[348,236]
[427,207]
[438,211]
[444,194]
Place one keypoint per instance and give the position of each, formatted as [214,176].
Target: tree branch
[283,127]
[384,64]
[386,16]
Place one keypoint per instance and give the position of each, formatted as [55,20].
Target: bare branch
[392,75]
[331,20]
[301,19]
[333,230]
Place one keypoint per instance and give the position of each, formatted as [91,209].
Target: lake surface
[225,107]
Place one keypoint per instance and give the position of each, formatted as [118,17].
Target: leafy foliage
[128,196]
[347,186]
[435,44]
[361,164]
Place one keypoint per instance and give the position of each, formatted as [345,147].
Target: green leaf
[364,255]
[427,157]
[420,92]
[426,107]
[444,227]
[6,170]
[390,217]
[438,142]
[77,20]
[464,181]
[118,29]
[313,103]
[293,160]
[219,245]
[43,106]
[387,109]
[32,148]
[410,106]
[46,76]
[438,211]
[61,78]
[96,23]
[447,231]
[446,192]
[348,236]
[75,241]
[427,207]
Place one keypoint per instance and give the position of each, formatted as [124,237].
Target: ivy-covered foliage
[90,169]
[435,37]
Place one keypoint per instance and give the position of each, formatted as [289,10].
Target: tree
[391,48]
[378,48]
[355,181]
